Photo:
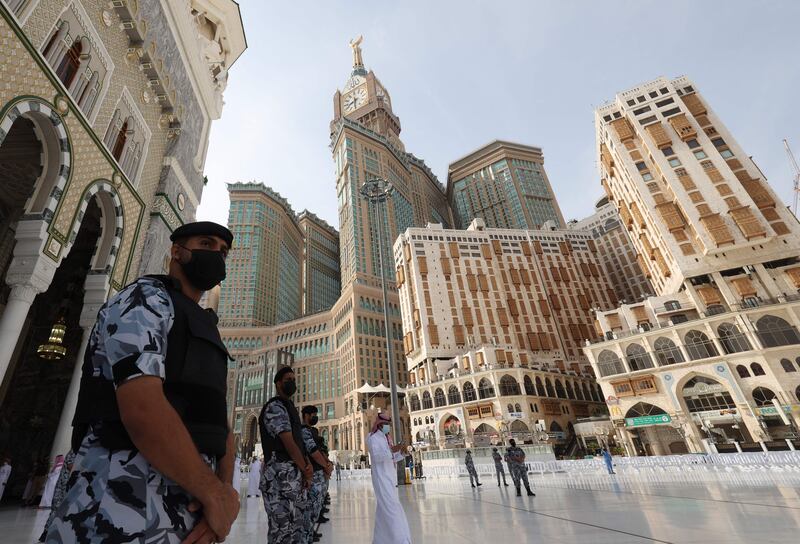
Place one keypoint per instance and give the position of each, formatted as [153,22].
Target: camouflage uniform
[116,497]
[518,470]
[285,498]
[316,493]
[473,474]
[498,467]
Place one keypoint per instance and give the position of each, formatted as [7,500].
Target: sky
[464,73]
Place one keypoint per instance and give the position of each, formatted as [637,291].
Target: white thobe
[253,478]
[237,475]
[391,526]
[5,472]
[50,487]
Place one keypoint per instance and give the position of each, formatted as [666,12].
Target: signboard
[556,435]
[772,411]
[642,421]
[516,415]
[612,400]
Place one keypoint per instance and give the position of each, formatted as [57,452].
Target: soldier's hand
[202,533]
[220,509]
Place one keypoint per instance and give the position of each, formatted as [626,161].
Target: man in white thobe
[391,526]
[237,474]
[5,473]
[253,478]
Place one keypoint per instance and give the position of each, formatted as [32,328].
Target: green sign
[641,421]
[772,411]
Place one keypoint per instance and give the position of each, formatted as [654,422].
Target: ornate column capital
[24,292]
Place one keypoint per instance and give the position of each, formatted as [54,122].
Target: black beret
[202,228]
[281,373]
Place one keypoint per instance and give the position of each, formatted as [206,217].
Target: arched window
[485,389]
[578,392]
[68,68]
[509,386]
[570,391]
[540,387]
[698,346]
[763,396]
[517,407]
[788,366]
[774,331]
[556,428]
[667,353]
[732,340]
[608,363]
[757,369]
[527,383]
[510,407]
[742,371]
[438,397]
[638,358]
[548,385]
[702,394]
[560,393]
[453,395]
[672,305]
[587,394]
[644,409]
[469,392]
[426,400]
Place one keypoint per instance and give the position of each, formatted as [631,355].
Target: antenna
[796,177]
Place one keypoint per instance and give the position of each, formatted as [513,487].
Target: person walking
[52,480]
[254,478]
[60,490]
[608,460]
[5,474]
[515,458]
[338,472]
[473,474]
[237,474]
[287,474]
[154,455]
[498,467]
[391,526]
[322,471]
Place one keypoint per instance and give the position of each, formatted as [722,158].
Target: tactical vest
[273,444]
[318,441]
[195,382]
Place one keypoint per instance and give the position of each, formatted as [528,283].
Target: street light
[377,191]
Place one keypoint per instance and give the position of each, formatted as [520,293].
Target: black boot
[519,492]
[322,519]
[531,493]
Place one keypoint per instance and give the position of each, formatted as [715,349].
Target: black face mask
[205,269]
[313,420]
[289,387]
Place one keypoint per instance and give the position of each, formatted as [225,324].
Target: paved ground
[668,508]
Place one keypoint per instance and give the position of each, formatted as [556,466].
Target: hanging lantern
[54,349]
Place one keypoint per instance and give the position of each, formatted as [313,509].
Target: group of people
[515,460]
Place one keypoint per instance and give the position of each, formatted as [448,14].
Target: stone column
[12,321]
[95,292]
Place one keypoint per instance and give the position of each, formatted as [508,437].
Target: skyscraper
[710,363]
[264,283]
[321,276]
[504,184]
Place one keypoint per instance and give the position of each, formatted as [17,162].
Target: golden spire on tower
[358,61]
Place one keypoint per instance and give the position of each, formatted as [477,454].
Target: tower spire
[358,61]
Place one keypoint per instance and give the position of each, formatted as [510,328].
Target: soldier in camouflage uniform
[473,474]
[515,458]
[322,472]
[286,474]
[498,467]
[137,397]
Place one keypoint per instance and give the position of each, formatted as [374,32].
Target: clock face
[355,100]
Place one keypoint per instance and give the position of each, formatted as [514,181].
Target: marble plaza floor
[676,508]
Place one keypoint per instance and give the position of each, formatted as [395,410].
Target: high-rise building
[504,184]
[321,276]
[616,252]
[710,363]
[264,279]
[488,313]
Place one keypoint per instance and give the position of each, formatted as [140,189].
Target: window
[641,110]
[671,111]
[692,143]
[438,398]
[700,154]
[742,371]
[757,369]
[665,102]
[427,403]
[647,176]
[674,162]
[763,396]
[653,94]
[485,388]
[415,402]
[726,153]
[640,99]
[732,340]
[509,386]
[667,151]
[469,392]
[663,90]
[608,363]
[671,305]
[667,353]
[718,142]
[774,331]
[638,358]
[631,103]
[698,346]
[641,166]
[788,366]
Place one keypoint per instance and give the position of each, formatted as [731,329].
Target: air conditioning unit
[127,25]
[117,4]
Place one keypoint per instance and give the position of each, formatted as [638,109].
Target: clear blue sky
[463,73]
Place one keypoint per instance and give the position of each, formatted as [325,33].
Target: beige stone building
[710,362]
[616,252]
[493,323]
[505,184]
[105,111]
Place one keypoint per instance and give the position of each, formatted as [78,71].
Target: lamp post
[377,191]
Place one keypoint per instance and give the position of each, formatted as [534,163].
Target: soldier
[515,458]
[473,474]
[154,457]
[287,474]
[498,467]
[322,472]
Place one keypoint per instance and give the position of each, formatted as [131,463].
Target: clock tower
[366,101]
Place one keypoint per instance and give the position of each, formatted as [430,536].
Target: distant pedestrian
[5,473]
[60,490]
[52,480]
[609,461]
[254,478]
[338,472]
[237,474]
[473,474]
[498,467]
[515,458]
